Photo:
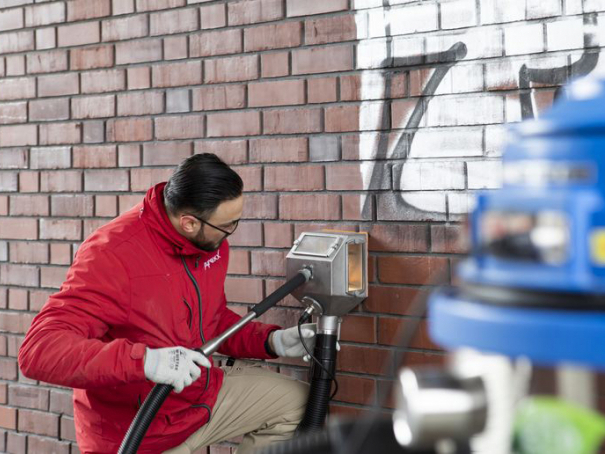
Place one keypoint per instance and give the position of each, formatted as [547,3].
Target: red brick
[139,77]
[29,397]
[231,69]
[260,206]
[8,418]
[29,205]
[397,237]
[394,300]
[15,65]
[243,290]
[152,5]
[294,178]
[14,158]
[356,390]
[102,81]
[309,206]
[84,9]
[126,202]
[9,181]
[18,135]
[79,34]
[17,299]
[143,179]
[342,118]
[367,360]
[52,276]
[356,328]
[129,130]
[412,269]
[106,180]
[3,207]
[390,332]
[60,253]
[47,62]
[60,229]
[311,7]
[38,444]
[60,133]
[212,43]
[16,443]
[21,275]
[254,11]
[29,181]
[16,42]
[19,88]
[275,64]
[239,262]
[95,156]
[247,234]
[219,98]
[91,57]
[449,239]
[78,205]
[38,422]
[322,59]
[61,402]
[49,13]
[13,112]
[352,207]
[268,263]
[177,74]
[278,235]
[90,225]
[46,38]
[175,21]
[140,103]
[165,153]
[230,151]
[93,106]
[68,430]
[106,205]
[37,298]
[273,36]
[138,51]
[213,16]
[129,155]
[49,109]
[278,93]
[175,47]
[279,150]
[252,178]
[50,158]
[27,252]
[58,85]
[125,28]
[122,7]
[292,121]
[11,19]
[401,111]
[335,29]
[179,127]
[320,90]
[61,181]
[233,124]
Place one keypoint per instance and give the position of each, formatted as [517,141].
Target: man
[143,293]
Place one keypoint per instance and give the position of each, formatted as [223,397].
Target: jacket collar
[155,216]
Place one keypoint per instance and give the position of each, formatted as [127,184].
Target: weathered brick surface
[328,110]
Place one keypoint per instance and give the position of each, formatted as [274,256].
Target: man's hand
[286,342]
[175,366]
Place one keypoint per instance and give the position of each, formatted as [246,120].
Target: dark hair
[200,184]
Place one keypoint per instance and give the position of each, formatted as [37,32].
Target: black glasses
[226,232]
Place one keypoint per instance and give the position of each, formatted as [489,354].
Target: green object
[548,425]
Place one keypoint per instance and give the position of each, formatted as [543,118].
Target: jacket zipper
[199,304]
[190,312]
[204,406]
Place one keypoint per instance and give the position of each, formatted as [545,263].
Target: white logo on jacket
[209,262]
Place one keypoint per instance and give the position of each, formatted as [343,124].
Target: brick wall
[337,113]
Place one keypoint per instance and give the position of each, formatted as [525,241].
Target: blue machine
[534,285]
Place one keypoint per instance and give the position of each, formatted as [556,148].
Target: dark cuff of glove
[268,348]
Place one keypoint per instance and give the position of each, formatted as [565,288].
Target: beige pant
[263,406]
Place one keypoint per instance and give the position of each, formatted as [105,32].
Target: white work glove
[286,342]
[175,366]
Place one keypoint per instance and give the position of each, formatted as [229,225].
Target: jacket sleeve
[249,342]
[67,343]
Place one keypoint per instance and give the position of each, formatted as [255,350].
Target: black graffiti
[527,76]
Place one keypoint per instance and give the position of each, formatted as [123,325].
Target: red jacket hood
[155,216]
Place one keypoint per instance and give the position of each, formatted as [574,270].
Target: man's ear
[188,223]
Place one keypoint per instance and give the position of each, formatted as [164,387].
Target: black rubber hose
[381,439]
[138,428]
[321,381]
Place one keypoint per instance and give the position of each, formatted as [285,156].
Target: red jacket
[135,282]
